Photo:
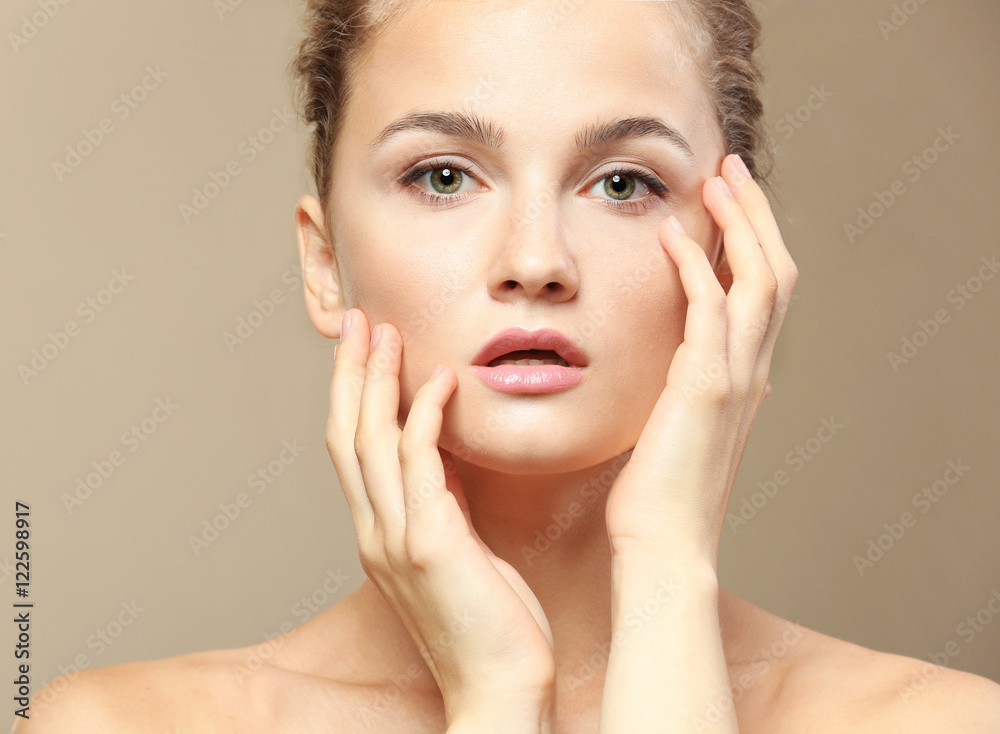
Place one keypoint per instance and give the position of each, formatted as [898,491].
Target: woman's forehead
[511,62]
[429,33]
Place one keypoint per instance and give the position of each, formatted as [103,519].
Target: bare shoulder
[182,693]
[837,687]
[273,687]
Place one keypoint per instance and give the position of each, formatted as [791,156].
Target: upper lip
[516,339]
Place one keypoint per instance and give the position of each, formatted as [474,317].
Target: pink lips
[512,378]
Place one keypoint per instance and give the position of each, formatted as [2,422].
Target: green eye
[448,181]
[618,186]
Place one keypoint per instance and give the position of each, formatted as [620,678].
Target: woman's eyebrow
[489,135]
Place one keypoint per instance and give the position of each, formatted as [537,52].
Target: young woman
[559,204]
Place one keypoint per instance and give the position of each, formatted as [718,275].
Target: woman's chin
[529,447]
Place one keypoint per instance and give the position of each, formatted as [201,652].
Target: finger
[702,354]
[453,484]
[433,513]
[758,209]
[345,399]
[754,286]
[377,435]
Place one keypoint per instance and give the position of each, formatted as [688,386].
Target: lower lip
[530,378]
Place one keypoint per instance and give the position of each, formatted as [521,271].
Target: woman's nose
[534,258]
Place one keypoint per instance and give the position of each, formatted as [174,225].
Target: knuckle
[770,289]
[332,448]
[336,427]
[382,552]
[334,443]
[395,567]
[420,553]
[403,450]
[718,299]
[362,444]
[406,440]
[742,388]
[760,386]
[372,561]
[755,332]
[408,446]
[720,392]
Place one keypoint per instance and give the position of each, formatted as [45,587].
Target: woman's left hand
[670,498]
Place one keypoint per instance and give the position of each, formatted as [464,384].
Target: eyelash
[654,185]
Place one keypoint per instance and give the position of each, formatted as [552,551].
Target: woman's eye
[620,186]
[442,183]
[445,180]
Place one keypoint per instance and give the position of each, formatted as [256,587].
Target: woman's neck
[551,529]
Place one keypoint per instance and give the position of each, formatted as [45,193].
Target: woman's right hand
[416,541]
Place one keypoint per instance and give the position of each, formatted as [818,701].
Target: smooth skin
[439,280]
[417,541]
[416,538]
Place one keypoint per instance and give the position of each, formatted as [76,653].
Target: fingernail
[742,167]
[767,388]
[437,371]
[376,335]
[346,325]
[676,224]
[725,187]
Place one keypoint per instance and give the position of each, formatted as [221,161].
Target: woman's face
[530,236]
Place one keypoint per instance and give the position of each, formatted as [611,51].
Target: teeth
[533,361]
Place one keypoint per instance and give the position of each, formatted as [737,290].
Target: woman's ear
[320,270]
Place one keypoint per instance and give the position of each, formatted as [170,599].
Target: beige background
[162,336]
